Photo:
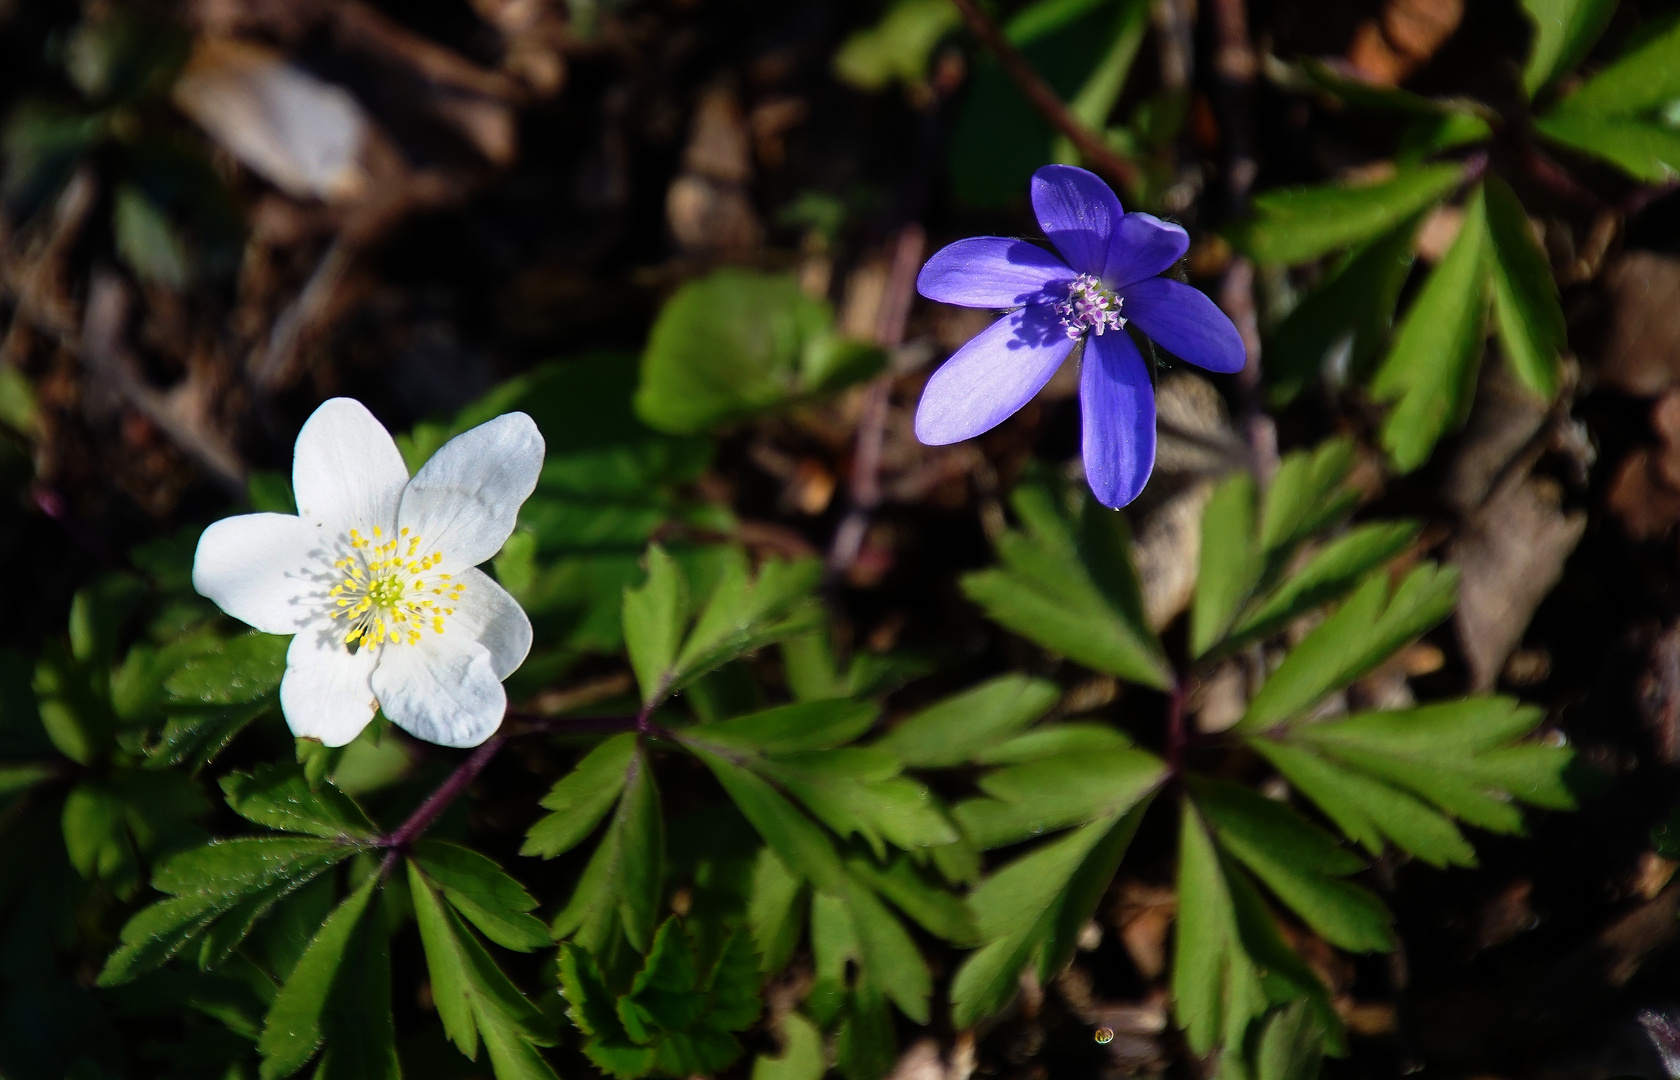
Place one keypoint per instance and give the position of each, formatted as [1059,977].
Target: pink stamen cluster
[1090,305]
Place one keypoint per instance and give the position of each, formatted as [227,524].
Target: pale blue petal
[991,377]
[993,272]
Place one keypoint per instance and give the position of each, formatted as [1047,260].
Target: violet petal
[1185,322]
[992,272]
[1143,246]
[996,373]
[1117,406]
[1078,212]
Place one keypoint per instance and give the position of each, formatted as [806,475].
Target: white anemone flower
[376,576]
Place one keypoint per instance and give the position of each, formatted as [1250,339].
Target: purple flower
[1105,277]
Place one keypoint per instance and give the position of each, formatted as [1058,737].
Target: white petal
[263,569]
[443,690]
[465,501]
[346,471]
[488,615]
[327,693]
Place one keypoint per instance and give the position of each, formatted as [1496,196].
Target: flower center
[384,595]
[1090,305]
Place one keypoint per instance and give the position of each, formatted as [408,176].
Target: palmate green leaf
[677,1017]
[1644,149]
[1291,1045]
[1331,572]
[474,999]
[1071,592]
[1293,225]
[1231,561]
[483,893]
[744,613]
[891,961]
[774,910]
[1367,629]
[155,934]
[1042,795]
[1644,79]
[581,798]
[1037,904]
[1308,493]
[1050,740]
[360,1030]
[1301,864]
[792,729]
[1229,962]
[621,884]
[1564,32]
[858,791]
[1525,296]
[1404,774]
[295,1026]
[1344,322]
[959,728]
[655,616]
[799,844]
[917,895]
[280,797]
[1430,374]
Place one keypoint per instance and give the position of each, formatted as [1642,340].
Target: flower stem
[1043,98]
[427,813]
[1177,701]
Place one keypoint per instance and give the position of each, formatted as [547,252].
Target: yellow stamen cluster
[384,596]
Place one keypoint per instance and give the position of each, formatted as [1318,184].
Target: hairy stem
[427,813]
[1043,98]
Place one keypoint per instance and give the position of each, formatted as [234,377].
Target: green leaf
[1343,324]
[654,618]
[1430,373]
[361,1034]
[155,934]
[897,47]
[918,896]
[797,841]
[891,960]
[483,892]
[1294,225]
[1050,740]
[594,1009]
[802,1049]
[1366,809]
[1052,793]
[1643,149]
[1307,494]
[581,798]
[1564,32]
[857,791]
[1366,630]
[293,1031]
[743,613]
[1048,592]
[279,796]
[774,905]
[1525,297]
[244,669]
[149,241]
[732,344]
[621,884]
[956,729]
[1643,79]
[1096,99]
[474,998]
[1330,573]
[1300,863]
[1019,906]
[1291,1045]
[1231,561]
[1216,988]
[792,729]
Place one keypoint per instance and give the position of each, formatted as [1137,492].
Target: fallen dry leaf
[1641,351]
